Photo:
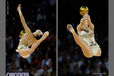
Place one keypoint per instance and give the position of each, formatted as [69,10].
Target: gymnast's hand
[19,8]
[88,18]
[82,21]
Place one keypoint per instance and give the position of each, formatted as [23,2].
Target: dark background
[31,9]
[69,51]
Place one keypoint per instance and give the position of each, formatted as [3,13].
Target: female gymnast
[28,43]
[85,38]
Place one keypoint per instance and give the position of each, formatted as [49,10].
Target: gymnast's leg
[98,53]
[37,43]
[86,51]
[27,51]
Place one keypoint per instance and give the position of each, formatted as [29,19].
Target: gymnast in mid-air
[28,42]
[85,38]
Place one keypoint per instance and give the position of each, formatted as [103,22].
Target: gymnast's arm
[22,19]
[79,26]
[91,26]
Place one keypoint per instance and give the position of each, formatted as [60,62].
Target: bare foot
[39,32]
[70,28]
[45,35]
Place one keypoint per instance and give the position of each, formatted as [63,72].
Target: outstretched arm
[22,19]
[91,26]
[79,26]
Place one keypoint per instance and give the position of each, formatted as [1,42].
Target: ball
[84,10]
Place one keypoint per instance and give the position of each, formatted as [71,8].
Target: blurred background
[39,14]
[71,61]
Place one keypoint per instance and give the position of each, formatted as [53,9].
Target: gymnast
[28,42]
[85,38]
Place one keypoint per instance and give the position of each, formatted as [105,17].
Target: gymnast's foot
[45,35]
[70,28]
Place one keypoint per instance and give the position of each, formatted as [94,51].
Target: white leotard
[87,35]
[25,47]
[25,42]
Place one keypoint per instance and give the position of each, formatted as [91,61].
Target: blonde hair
[22,33]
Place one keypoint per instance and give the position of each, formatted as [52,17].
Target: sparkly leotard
[25,42]
[87,35]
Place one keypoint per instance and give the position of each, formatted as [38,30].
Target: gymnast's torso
[27,40]
[87,35]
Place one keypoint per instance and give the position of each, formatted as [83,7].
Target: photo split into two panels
[32,37]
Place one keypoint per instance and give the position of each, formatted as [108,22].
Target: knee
[88,55]
[99,53]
